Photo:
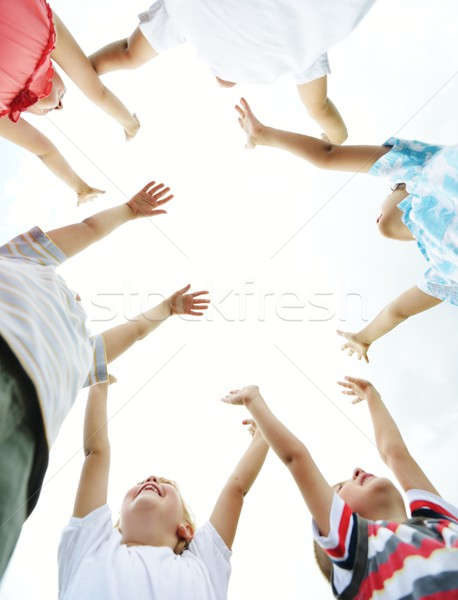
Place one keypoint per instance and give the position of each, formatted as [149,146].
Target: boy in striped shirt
[46,352]
[365,543]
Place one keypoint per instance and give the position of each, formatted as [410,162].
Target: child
[248,42]
[372,549]
[46,352]
[423,206]
[155,553]
[32,35]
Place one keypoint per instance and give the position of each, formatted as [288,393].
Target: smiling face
[390,219]
[153,514]
[371,497]
[53,101]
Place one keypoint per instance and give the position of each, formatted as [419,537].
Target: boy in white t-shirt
[155,552]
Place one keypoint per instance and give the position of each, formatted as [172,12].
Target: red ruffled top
[27,38]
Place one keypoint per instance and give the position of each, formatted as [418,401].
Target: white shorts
[158,29]
[320,68]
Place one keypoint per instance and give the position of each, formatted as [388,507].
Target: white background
[233,211]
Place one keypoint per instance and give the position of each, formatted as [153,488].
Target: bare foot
[133,130]
[223,83]
[250,124]
[88,195]
[354,345]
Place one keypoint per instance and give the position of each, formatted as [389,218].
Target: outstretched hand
[145,202]
[88,195]
[354,345]
[239,397]
[181,303]
[249,123]
[359,388]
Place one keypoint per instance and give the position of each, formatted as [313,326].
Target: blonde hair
[188,517]
[323,561]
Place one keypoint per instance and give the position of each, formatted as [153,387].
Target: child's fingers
[160,192]
[184,290]
[240,111]
[156,190]
[200,293]
[344,384]
[147,186]
[158,212]
[164,200]
[245,106]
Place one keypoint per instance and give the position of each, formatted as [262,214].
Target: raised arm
[93,485]
[320,153]
[314,488]
[120,338]
[410,303]
[76,64]
[77,237]
[26,136]
[226,514]
[388,439]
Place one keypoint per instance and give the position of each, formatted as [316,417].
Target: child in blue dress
[423,206]
[366,544]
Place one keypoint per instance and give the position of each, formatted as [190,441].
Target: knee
[317,108]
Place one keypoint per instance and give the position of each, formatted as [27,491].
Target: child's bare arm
[118,339]
[76,64]
[319,153]
[77,237]
[315,490]
[226,514]
[26,136]
[388,439]
[411,302]
[93,485]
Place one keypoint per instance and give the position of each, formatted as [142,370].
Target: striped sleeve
[34,246]
[99,366]
[426,504]
[340,543]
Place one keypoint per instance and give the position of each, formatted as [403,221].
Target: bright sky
[289,254]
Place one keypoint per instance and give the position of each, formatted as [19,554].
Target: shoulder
[426,504]
[33,246]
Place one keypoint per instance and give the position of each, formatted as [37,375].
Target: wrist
[253,399]
[133,210]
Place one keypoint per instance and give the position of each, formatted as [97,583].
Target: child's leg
[129,53]
[314,96]
[23,457]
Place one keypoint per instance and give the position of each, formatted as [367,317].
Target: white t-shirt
[94,565]
[255,41]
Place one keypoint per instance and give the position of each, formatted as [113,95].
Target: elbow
[325,158]
[97,450]
[46,151]
[294,456]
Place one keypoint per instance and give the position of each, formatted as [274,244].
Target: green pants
[23,451]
